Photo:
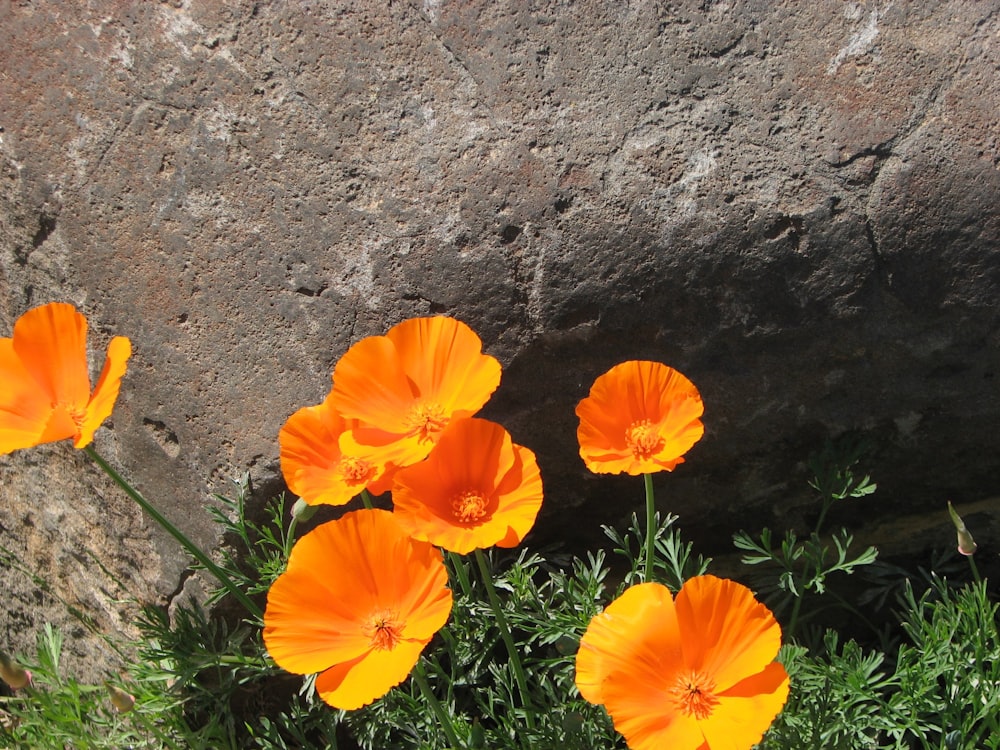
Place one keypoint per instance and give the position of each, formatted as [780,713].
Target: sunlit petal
[106,391]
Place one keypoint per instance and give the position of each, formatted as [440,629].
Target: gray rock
[793,203]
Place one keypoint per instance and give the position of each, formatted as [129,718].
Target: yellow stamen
[694,695]
[426,420]
[385,631]
[355,471]
[643,439]
[469,506]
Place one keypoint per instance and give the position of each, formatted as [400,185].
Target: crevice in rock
[46,226]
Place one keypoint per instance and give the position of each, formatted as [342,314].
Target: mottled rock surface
[793,203]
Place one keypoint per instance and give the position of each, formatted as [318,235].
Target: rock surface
[793,203]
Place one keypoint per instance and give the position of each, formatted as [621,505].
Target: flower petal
[51,342]
[370,385]
[313,461]
[24,408]
[631,639]
[443,356]
[359,682]
[727,634]
[746,710]
[102,402]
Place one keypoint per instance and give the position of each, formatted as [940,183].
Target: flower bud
[13,673]
[966,544]
[122,701]
[302,511]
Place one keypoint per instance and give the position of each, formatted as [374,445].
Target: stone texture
[793,203]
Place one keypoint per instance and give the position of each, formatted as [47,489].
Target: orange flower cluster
[46,393]
[363,595]
[392,398]
[693,673]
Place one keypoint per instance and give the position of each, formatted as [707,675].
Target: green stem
[177,534]
[367,500]
[793,620]
[443,719]
[508,639]
[650,527]
[975,569]
[458,563]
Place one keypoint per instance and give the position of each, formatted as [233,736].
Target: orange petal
[51,341]
[520,495]
[634,643]
[24,408]
[102,403]
[727,634]
[444,357]
[746,710]
[369,384]
[359,682]
[642,715]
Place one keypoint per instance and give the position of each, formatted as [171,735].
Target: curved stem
[650,527]
[177,534]
[458,563]
[508,639]
[367,500]
[442,716]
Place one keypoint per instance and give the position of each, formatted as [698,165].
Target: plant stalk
[177,534]
[650,527]
[508,639]
[442,716]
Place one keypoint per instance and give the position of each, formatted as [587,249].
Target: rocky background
[795,204]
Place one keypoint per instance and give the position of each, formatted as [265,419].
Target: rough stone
[793,203]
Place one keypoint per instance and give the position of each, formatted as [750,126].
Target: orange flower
[357,603]
[475,490]
[45,394]
[320,462]
[404,387]
[695,673]
[640,417]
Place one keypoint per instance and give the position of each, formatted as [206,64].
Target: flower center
[426,420]
[643,439]
[469,506]
[385,630]
[355,470]
[694,695]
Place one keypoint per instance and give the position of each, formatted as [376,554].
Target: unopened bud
[966,544]
[303,511]
[122,701]
[13,673]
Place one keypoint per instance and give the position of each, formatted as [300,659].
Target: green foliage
[202,677]
[798,567]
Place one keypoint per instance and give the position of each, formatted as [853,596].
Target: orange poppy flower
[357,603]
[404,387]
[321,464]
[45,394]
[475,490]
[695,673]
[640,417]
